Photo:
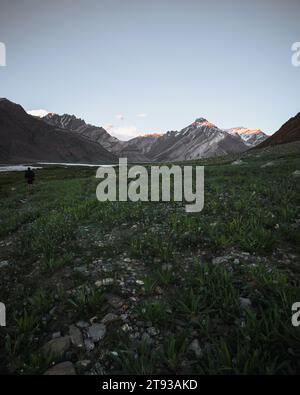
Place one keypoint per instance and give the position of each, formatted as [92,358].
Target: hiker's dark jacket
[29,176]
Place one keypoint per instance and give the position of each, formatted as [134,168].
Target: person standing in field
[29,176]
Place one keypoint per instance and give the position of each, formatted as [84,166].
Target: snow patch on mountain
[38,113]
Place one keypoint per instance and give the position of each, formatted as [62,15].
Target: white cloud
[142,115]
[38,113]
[124,133]
[108,126]
[120,117]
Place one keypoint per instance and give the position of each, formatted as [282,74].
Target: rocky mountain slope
[24,138]
[96,134]
[145,142]
[201,139]
[288,133]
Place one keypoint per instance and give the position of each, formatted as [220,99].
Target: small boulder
[97,332]
[55,335]
[245,303]
[89,345]
[57,347]
[4,264]
[153,331]
[76,336]
[296,173]
[237,162]
[110,317]
[82,324]
[115,301]
[83,364]
[219,260]
[269,164]
[104,282]
[195,348]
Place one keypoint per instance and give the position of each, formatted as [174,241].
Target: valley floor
[146,288]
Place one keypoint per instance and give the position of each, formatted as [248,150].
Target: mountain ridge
[287,133]
[72,139]
[97,134]
[23,137]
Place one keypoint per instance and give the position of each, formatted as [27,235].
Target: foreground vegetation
[207,293]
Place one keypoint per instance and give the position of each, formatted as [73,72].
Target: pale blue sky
[169,60]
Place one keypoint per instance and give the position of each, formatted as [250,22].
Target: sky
[141,66]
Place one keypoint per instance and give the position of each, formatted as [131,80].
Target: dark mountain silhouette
[24,138]
[288,133]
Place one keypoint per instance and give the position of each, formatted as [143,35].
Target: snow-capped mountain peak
[251,137]
[202,122]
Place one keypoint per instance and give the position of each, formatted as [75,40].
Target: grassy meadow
[203,293]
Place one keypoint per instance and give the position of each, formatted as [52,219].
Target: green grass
[155,312]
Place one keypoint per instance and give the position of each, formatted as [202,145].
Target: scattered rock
[81,269]
[237,162]
[104,282]
[4,264]
[124,317]
[159,290]
[296,173]
[97,332]
[98,370]
[61,369]
[245,253]
[269,164]
[219,260]
[146,338]
[140,282]
[126,328]
[153,331]
[82,324]
[110,317]
[75,336]
[83,364]
[57,347]
[55,335]
[77,261]
[93,319]
[89,345]
[196,348]
[245,302]
[114,301]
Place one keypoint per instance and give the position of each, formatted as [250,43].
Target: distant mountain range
[201,139]
[66,138]
[96,134]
